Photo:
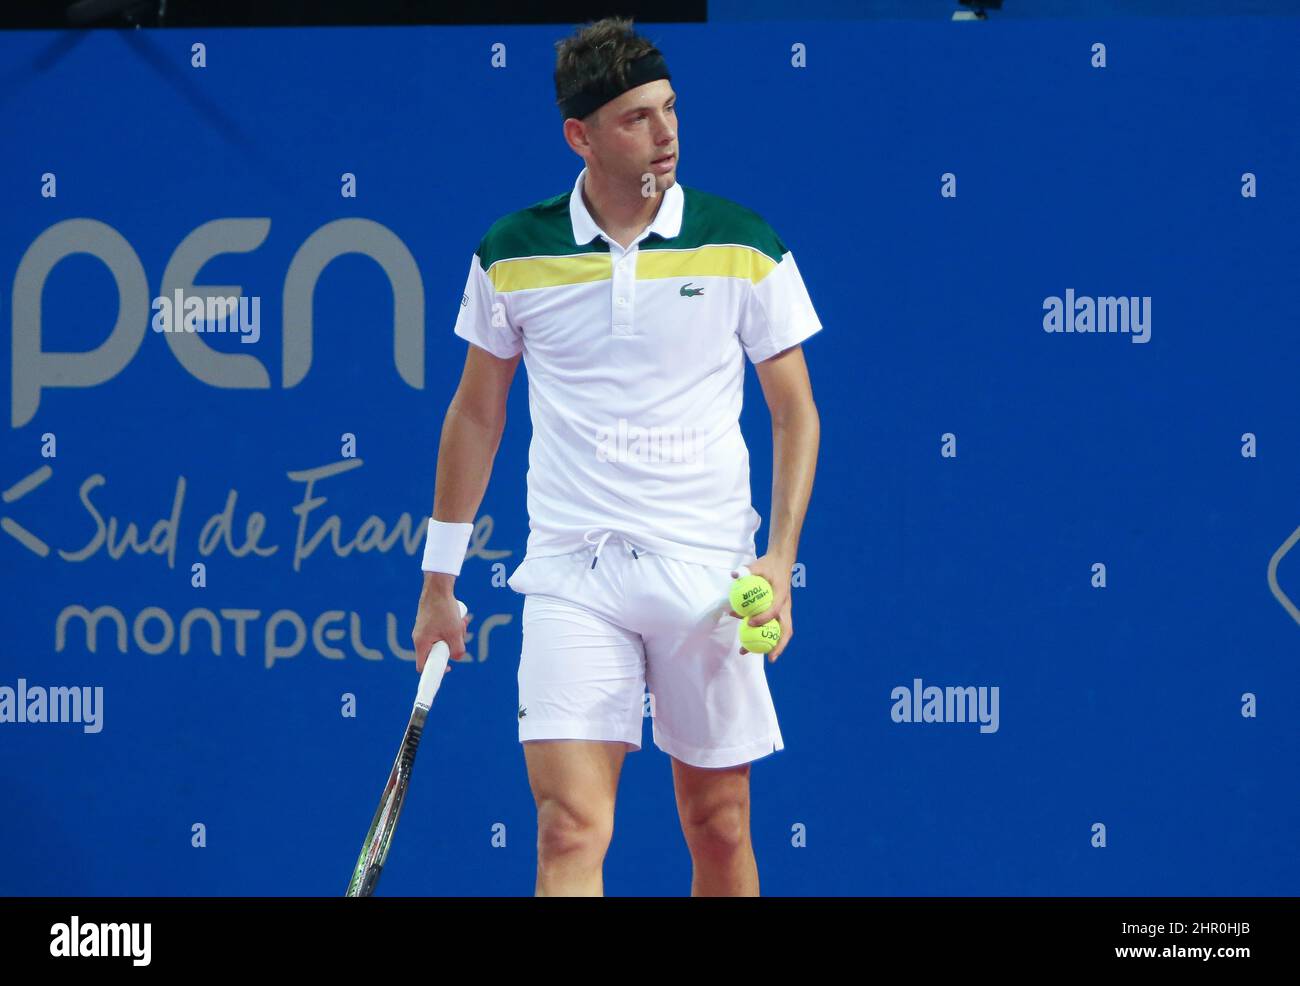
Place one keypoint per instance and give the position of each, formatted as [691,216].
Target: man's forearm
[466,451]
[795,440]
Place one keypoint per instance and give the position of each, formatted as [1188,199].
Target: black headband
[645,69]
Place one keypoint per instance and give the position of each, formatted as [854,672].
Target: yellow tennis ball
[760,639]
[751,595]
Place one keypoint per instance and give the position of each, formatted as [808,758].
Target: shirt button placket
[624,282]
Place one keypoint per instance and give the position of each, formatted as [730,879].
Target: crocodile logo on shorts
[522,712]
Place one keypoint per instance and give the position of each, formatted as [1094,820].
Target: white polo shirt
[636,361]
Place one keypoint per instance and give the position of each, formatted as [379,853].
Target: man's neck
[623,213]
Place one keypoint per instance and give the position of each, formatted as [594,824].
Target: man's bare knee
[720,832]
[566,831]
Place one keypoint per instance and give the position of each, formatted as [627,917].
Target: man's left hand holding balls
[776,572]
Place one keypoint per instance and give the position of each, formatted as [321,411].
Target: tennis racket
[374,851]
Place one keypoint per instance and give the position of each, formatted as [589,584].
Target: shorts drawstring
[605,535]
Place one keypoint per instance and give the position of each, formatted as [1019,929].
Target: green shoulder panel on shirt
[534,248]
[543,229]
[718,238]
[711,219]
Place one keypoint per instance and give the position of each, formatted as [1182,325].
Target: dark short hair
[598,52]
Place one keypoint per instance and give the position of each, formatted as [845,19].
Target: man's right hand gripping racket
[375,849]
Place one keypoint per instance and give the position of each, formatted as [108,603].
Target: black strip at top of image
[116,14]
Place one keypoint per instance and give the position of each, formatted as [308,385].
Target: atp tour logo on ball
[750,594]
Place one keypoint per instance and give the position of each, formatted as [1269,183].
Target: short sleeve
[483,319]
[778,313]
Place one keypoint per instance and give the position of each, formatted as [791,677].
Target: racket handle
[435,666]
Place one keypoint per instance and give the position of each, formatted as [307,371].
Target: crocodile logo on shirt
[523,711]
[690,292]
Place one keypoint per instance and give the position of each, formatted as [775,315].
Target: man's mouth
[661,160]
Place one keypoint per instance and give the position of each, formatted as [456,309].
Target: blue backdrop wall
[1091,528]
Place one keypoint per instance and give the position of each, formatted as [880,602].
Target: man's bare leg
[713,805]
[574,783]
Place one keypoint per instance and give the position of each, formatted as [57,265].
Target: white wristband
[445,546]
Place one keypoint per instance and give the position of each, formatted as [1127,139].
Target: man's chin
[662,182]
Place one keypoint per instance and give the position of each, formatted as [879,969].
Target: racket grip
[435,666]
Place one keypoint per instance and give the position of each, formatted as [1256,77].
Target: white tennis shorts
[603,627]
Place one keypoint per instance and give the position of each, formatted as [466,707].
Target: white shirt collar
[667,222]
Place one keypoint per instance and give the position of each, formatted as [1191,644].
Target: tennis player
[634,302]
